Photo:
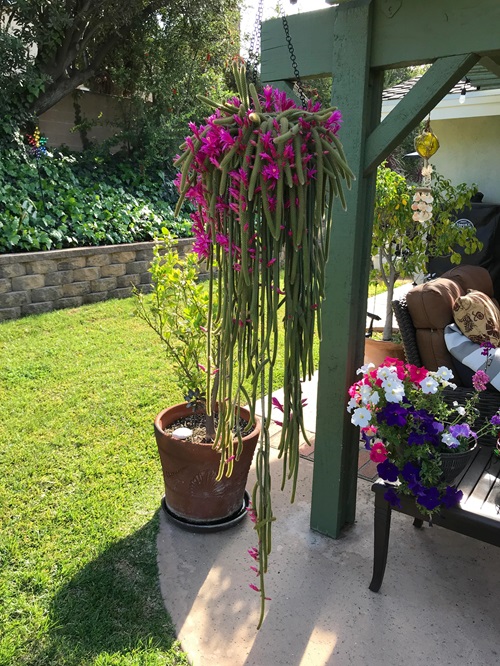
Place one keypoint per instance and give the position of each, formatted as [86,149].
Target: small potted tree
[403,246]
[177,310]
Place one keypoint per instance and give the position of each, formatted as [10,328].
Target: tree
[404,246]
[67,43]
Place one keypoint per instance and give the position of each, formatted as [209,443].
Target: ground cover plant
[57,200]
[80,488]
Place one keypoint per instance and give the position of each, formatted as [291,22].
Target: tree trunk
[387,335]
[56,91]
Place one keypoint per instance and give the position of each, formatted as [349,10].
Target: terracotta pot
[192,493]
[377,350]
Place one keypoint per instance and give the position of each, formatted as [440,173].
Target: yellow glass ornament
[426,143]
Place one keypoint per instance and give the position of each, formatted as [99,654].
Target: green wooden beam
[311,35]
[491,65]
[416,104]
[423,31]
[344,310]
[418,32]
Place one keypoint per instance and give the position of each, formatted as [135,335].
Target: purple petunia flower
[495,419]
[461,430]
[393,414]
[388,471]
[392,497]
[410,472]
[451,497]
[429,498]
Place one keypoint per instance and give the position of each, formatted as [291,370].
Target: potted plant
[419,440]
[403,245]
[262,174]
[177,310]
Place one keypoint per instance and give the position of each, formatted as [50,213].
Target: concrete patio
[439,603]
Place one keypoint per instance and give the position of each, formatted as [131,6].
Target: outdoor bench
[477,515]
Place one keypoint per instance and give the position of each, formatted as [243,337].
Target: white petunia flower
[361,417]
[365,369]
[443,373]
[386,372]
[352,404]
[450,441]
[394,394]
[365,392]
[429,385]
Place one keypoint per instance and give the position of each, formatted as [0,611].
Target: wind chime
[426,145]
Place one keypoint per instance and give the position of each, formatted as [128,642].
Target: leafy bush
[67,200]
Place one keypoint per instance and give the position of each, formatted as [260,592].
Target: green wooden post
[368,36]
[359,96]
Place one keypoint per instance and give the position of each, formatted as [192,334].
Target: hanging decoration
[426,145]
[263,174]
[38,148]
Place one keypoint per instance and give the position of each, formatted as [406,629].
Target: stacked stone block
[36,282]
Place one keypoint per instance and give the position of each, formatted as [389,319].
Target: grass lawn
[80,489]
[379,288]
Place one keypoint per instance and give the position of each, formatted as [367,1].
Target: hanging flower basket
[262,174]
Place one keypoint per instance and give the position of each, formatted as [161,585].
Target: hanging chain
[254,48]
[293,59]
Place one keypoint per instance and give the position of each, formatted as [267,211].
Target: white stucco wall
[469,135]
[470,153]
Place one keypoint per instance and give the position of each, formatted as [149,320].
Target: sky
[249,12]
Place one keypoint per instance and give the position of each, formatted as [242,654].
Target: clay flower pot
[377,350]
[192,493]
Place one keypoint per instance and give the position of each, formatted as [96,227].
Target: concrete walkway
[439,603]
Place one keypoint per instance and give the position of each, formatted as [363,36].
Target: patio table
[477,515]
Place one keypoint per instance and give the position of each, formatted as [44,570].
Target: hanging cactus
[263,175]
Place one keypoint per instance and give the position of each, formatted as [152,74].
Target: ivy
[87,200]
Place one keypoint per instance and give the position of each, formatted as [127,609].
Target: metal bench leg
[380,540]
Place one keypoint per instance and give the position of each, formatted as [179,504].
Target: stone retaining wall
[35,282]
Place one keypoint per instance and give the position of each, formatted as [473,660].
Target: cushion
[430,306]
[477,317]
[471,355]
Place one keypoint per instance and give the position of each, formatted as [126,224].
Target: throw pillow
[477,317]
[471,355]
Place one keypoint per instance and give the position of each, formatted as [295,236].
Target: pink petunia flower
[378,453]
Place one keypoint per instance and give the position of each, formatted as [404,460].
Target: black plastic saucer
[212,526]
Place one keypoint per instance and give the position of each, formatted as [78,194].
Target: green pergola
[355,42]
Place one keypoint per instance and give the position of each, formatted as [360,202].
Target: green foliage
[164,69]
[177,311]
[20,83]
[59,201]
[404,246]
[156,54]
